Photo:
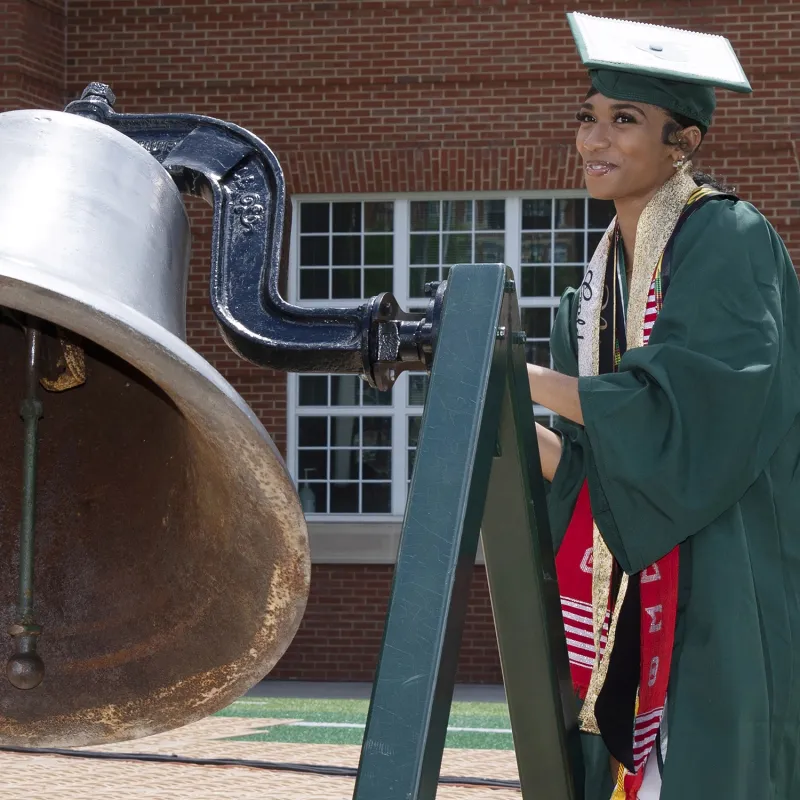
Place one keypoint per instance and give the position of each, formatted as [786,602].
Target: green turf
[463,715]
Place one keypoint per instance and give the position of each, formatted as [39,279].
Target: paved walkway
[29,777]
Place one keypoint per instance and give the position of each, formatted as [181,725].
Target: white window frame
[399,410]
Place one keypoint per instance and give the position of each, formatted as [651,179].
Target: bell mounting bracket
[242,179]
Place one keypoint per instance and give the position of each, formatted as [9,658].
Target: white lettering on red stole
[655,612]
[587,563]
[651,680]
[652,573]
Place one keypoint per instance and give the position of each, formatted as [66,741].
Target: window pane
[568,247]
[347,217]
[347,283]
[424,249]
[457,248]
[314,284]
[376,464]
[344,498]
[377,431]
[536,281]
[312,431]
[313,390]
[456,215]
[414,424]
[537,322]
[418,277]
[344,465]
[376,498]
[601,212]
[536,214]
[538,353]
[314,217]
[490,215]
[566,277]
[379,250]
[377,281]
[378,217]
[312,464]
[424,215]
[489,248]
[314,251]
[314,497]
[374,397]
[346,251]
[344,431]
[417,389]
[412,457]
[535,248]
[344,390]
[570,213]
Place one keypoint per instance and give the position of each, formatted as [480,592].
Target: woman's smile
[595,168]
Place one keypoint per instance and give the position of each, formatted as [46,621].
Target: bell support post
[477,470]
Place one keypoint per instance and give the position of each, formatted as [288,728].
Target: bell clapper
[25,668]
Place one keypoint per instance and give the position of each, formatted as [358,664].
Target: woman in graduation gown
[675,465]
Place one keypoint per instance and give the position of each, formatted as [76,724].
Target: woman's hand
[549,450]
[555,391]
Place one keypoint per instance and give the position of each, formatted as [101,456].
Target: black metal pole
[25,668]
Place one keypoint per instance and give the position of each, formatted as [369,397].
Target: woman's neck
[629,209]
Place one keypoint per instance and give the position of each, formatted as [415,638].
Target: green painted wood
[476,374]
[520,566]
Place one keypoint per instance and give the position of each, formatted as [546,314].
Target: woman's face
[621,145]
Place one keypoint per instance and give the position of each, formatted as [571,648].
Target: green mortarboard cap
[666,67]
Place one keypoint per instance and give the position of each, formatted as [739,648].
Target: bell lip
[131,145]
[124,331]
[20,277]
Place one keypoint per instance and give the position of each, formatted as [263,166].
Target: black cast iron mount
[240,176]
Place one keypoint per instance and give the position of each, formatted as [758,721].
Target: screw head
[500,333]
[510,287]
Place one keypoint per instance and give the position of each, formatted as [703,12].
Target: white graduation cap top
[657,50]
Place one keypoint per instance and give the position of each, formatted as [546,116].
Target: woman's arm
[555,391]
[549,450]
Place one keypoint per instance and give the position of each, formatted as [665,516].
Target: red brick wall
[349,604]
[32,54]
[401,95]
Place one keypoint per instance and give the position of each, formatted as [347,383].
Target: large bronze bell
[171,562]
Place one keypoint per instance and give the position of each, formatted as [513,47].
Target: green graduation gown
[696,441]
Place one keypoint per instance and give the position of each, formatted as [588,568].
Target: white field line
[361,725]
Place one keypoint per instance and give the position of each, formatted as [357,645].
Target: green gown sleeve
[689,421]
[571,471]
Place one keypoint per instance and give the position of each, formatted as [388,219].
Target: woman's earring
[679,163]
